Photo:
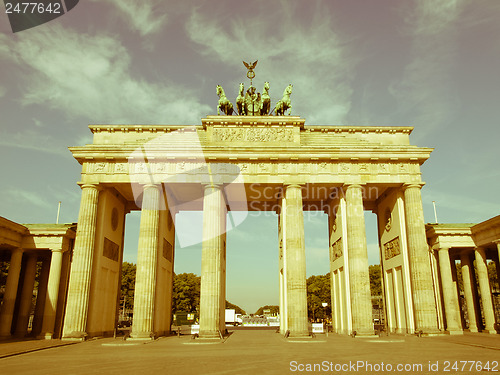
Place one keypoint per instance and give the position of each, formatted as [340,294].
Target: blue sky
[429,64]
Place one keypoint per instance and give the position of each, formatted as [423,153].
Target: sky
[433,65]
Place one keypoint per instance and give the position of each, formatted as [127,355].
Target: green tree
[492,273]
[186,292]
[318,292]
[274,309]
[375,272]
[4,270]
[128,284]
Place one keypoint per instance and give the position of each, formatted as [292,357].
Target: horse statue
[252,104]
[266,100]
[285,102]
[224,104]
[240,101]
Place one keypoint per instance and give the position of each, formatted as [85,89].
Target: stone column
[75,321]
[497,263]
[145,282]
[9,297]
[470,292]
[40,297]
[26,297]
[359,278]
[451,305]
[484,287]
[421,278]
[222,316]
[282,266]
[293,233]
[212,254]
[52,295]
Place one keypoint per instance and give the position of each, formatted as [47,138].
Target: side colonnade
[28,248]
[474,304]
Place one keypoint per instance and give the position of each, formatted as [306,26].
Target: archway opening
[375,271]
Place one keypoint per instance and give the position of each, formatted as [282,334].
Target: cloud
[27,197]
[143,17]
[426,94]
[450,206]
[284,45]
[89,75]
[433,17]
[33,140]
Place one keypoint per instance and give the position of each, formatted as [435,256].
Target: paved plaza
[256,352]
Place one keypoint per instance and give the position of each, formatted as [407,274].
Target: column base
[456,332]
[140,338]
[490,331]
[45,336]
[143,336]
[209,335]
[75,336]
[364,332]
[303,334]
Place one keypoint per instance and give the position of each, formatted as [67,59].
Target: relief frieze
[110,249]
[383,168]
[344,168]
[392,248]
[336,250]
[121,167]
[168,250]
[253,134]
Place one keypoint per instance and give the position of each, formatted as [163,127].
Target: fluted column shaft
[451,305]
[212,296]
[26,297]
[484,287]
[52,295]
[359,278]
[145,282]
[9,297]
[468,278]
[40,297]
[421,278]
[295,262]
[498,262]
[75,322]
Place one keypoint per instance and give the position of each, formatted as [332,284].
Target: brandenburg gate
[243,162]
[251,161]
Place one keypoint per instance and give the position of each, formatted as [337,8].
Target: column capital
[413,185]
[481,251]
[298,186]
[150,186]
[91,186]
[353,185]
[442,248]
[17,250]
[348,186]
[211,186]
